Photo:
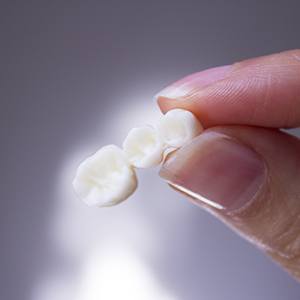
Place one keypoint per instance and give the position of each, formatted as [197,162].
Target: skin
[251,101]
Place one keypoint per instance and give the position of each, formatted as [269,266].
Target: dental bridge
[108,177]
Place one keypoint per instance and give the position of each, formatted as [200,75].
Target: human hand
[243,168]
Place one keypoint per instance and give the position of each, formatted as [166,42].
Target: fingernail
[185,86]
[217,170]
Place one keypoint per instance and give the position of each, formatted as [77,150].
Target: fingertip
[259,92]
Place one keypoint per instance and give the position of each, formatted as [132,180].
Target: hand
[243,168]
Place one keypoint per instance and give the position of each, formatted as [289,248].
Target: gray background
[74,76]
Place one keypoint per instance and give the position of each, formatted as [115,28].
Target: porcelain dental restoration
[105,178]
[108,177]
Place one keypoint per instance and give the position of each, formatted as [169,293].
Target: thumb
[248,177]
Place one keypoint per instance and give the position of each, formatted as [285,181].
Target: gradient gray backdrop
[65,68]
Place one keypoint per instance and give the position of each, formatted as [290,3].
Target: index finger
[263,91]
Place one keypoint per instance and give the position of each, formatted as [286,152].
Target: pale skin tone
[251,102]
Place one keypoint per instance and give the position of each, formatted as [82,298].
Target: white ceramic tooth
[105,178]
[143,147]
[178,126]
